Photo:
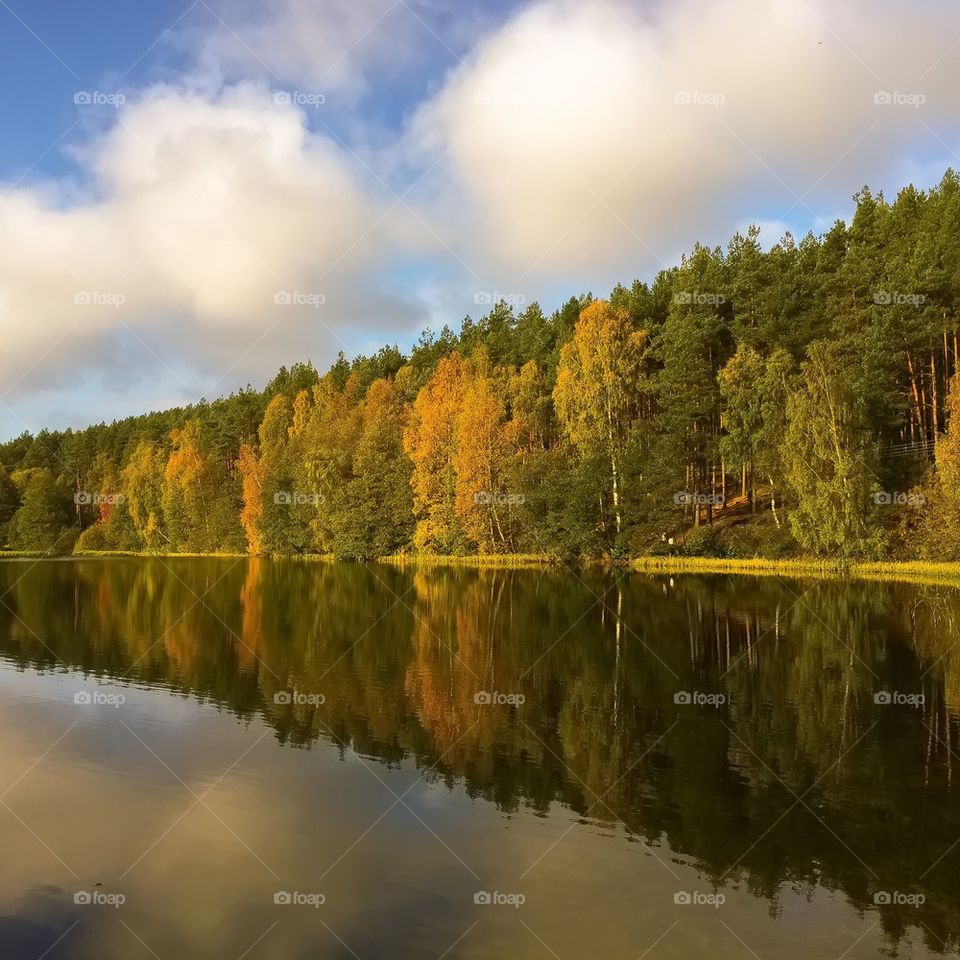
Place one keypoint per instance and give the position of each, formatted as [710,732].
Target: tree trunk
[934,418]
[917,405]
[773,503]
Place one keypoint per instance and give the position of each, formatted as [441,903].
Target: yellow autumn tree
[481,460]
[142,486]
[530,408]
[186,495]
[252,474]
[430,442]
[597,388]
[941,507]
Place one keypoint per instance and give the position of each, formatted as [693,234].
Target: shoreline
[907,571]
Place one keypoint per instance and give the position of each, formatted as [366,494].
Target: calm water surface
[626,766]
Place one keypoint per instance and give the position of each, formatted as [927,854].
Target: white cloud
[590,136]
[206,213]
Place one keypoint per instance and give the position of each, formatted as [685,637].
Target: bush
[703,542]
[64,544]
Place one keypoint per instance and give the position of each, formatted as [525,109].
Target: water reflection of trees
[400,657]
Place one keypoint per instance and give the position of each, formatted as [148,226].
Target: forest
[796,401]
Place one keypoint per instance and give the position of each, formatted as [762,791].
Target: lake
[248,759]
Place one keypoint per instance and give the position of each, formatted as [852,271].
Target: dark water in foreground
[185,742]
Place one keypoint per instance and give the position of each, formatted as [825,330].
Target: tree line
[792,401]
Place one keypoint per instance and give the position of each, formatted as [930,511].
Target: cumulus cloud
[581,136]
[212,221]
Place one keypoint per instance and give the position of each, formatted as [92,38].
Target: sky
[192,194]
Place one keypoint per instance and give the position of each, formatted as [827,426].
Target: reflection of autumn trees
[399,657]
[463,646]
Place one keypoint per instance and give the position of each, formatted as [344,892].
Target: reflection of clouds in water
[45,915]
[59,688]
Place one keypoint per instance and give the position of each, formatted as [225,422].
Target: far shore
[907,571]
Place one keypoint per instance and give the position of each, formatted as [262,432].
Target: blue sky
[274,180]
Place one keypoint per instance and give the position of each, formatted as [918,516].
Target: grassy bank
[907,571]
[910,571]
[754,566]
[515,560]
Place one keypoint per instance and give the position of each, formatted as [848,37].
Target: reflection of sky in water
[202,880]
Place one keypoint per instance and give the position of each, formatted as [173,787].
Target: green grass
[154,553]
[911,571]
[471,560]
[757,566]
